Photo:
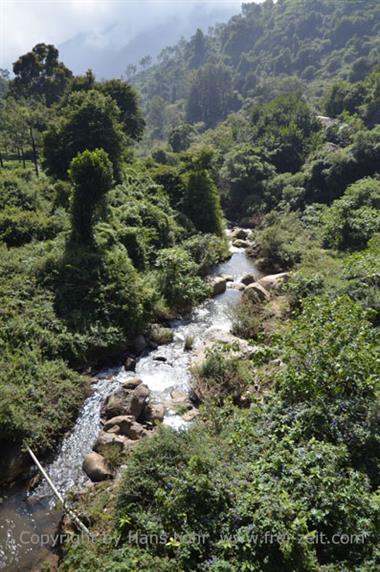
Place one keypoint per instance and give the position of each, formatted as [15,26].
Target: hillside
[252,440]
[269,49]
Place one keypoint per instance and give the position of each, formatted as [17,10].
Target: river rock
[139,344]
[132,383]
[130,363]
[106,441]
[227,277]
[238,243]
[239,233]
[154,413]
[96,467]
[234,346]
[178,396]
[218,285]
[125,425]
[274,281]
[236,286]
[248,279]
[160,335]
[256,293]
[126,402]
[190,415]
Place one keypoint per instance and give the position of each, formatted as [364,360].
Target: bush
[221,376]
[206,250]
[282,241]
[330,351]
[354,218]
[178,280]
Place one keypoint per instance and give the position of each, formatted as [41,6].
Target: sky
[90,27]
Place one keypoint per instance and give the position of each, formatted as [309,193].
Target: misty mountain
[98,51]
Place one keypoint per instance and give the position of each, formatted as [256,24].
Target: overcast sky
[101,24]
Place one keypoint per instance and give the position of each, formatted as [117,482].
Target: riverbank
[160,376]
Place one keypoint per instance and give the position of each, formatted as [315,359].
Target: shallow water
[22,515]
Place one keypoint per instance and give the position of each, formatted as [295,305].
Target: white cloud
[106,23]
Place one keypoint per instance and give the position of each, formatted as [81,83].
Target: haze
[104,35]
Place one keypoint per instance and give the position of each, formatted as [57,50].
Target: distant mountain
[88,51]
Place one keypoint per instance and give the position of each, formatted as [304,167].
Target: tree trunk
[19,155]
[35,154]
[23,158]
[1,160]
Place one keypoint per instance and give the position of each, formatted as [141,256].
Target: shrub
[354,218]
[178,280]
[221,375]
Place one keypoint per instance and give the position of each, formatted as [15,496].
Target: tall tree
[197,50]
[127,100]
[39,74]
[90,120]
[91,175]
[201,201]
[211,95]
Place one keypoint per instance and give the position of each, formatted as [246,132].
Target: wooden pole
[69,511]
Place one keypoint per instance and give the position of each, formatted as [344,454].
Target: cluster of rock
[155,336]
[259,290]
[239,238]
[127,415]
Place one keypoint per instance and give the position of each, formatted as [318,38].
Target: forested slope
[106,227]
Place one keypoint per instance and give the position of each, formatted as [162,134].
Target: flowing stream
[27,520]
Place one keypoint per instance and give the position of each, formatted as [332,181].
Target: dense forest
[114,197]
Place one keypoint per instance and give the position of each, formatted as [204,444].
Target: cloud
[104,23]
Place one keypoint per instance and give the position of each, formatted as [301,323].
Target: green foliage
[211,95]
[39,397]
[39,75]
[126,99]
[206,250]
[282,241]
[354,218]
[26,212]
[91,175]
[330,352]
[244,171]
[285,127]
[181,136]
[89,121]
[202,204]
[178,280]
[221,376]
[39,393]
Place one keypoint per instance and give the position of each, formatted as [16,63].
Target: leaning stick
[56,492]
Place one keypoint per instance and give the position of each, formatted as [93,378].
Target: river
[24,517]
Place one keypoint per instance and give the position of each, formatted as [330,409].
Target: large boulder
[96,467]
[218,285]
[256,293]
[274,281]
[126,402]
[160,335]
